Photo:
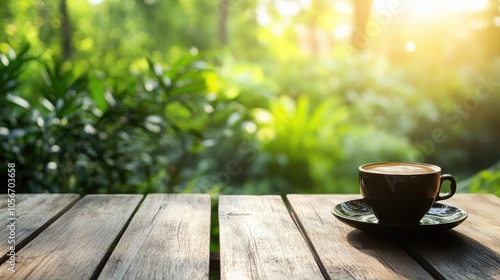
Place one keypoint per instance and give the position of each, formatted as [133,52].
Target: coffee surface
[400,168]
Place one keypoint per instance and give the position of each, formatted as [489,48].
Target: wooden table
[167,236]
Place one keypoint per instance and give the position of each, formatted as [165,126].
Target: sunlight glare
[410,47]
[474,5]
[95,2]
[263,17]
[342,31]
[250,127]
[343,7]
[287,8]
[52,165]
[496,21]
[429,9]
[262,116]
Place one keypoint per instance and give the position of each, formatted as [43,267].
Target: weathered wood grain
[32,213]
[347,253]
[472,249]
[259,240]
[168,238]
[75,244]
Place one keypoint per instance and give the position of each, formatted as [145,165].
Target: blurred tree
[66,32]
[223,14]
[361,14]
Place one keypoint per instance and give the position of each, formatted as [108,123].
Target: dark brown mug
[402,192]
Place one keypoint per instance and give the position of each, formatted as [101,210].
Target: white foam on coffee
[395,168]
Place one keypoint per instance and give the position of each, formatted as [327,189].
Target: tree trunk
[362,9]
[223,10]
[66,33]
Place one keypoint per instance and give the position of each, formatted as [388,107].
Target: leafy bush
[228,126]
[485,181]
[76,134]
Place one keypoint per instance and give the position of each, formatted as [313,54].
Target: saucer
[358,214]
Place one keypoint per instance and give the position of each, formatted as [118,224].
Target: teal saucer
[358,214]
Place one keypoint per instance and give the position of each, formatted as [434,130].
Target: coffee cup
[402,192]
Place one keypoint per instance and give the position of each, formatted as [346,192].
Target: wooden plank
[75,244]
[259,240]
[31,214]
[347,253]
[168,238]
[472,249]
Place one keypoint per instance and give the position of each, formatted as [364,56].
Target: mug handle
[453,186]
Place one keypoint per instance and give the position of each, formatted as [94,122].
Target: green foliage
[312,139]
[298,144]
[11,68]
[83,136]
[485,181]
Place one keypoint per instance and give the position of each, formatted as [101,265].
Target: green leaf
[97,92]
[18,101]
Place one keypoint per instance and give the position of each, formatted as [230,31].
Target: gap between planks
[105,259]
